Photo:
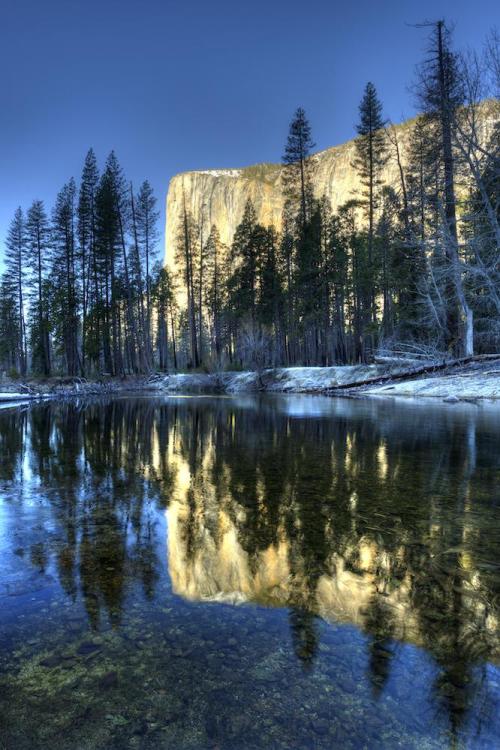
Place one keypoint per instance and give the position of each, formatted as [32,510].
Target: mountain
[219,195]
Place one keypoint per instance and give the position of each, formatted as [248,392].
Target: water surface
[275,572]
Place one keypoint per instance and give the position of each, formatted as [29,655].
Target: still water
[275,572]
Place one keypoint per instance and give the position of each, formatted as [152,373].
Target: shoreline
[478,380]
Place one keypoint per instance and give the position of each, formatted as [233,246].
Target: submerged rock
[51,661]
[88,647]
[109,680]
[320,726]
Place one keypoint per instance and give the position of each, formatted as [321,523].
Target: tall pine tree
[297,172]
[371,148]
[16,263]
[37,227]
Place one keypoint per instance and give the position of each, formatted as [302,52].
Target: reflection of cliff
[217,568]
[349,518]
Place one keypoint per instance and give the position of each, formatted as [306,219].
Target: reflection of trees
[304,632]
[379,622]
[404,505]
[101,469]
[12,430]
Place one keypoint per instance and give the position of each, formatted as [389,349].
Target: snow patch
[221,172]
[451,388]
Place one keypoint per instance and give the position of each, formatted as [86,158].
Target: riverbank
[13,391]
[467,381]
[472,382]
[276,380]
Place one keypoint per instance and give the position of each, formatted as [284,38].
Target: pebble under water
[251,572]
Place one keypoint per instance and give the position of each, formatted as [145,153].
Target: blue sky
[173,86]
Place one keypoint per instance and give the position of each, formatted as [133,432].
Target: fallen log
[398,361]
[409,374]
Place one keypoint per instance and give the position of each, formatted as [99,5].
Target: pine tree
[10,354]
[186,253]
[270,297]
[15,261]
[38,252]
[371,148]
[134,347]
[64,275]
[87,248]
[440,93]
[393,266]
[308,286]
[337,268]
[359,281]
[215,287]
[422,178]
[297,172]
[163,299]
[245,261]
[107,244]
[147,233]
[286,258]
[136,278]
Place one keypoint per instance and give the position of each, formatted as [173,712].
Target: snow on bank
[279,380]
[476,380]
[473,385]
[467,382]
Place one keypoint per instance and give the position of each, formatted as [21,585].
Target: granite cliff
[220,194]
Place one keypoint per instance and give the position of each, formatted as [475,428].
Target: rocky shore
[469,381]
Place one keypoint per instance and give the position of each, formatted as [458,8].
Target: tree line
[80,288]
[409,268]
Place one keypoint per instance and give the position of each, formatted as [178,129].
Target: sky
[191,84]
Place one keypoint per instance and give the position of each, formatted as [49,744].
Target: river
[249,572]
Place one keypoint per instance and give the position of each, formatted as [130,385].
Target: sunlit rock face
[218,196]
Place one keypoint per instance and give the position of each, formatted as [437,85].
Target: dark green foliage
[14,280]
[146,221]
[37,229]
[90,297]
[371,155]
[65,299]
[163,298]
[9,326]
[81,279]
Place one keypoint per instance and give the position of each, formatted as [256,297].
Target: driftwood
[400,361]
[408,374]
